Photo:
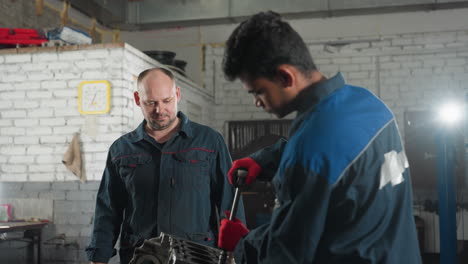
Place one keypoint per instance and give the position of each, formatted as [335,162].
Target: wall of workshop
[38,117]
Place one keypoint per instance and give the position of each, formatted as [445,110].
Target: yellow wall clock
[94,97]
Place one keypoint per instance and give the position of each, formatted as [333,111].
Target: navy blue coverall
[148,188]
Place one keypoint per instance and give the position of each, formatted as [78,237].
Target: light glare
[450,113]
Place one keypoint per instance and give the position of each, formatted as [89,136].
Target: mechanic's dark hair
[260,44]
[143,74]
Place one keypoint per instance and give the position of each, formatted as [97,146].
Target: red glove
[246,163]
[230,232]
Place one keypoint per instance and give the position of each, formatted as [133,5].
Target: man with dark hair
[168,175]
[342,179]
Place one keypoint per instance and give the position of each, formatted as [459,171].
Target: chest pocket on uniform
[191,169]
[133,169]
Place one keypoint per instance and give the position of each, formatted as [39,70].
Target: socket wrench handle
[241,176]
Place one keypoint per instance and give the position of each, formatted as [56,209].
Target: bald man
[168,175]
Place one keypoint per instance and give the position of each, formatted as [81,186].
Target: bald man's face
[157,97]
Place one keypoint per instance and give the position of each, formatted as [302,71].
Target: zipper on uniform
[172,182]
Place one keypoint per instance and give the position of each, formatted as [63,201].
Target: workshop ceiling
[135,15]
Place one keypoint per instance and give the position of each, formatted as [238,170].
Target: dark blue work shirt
[148,188]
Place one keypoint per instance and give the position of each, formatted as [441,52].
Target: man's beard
[161,126]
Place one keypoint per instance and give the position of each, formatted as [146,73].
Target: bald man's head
[158,96]
[153,72]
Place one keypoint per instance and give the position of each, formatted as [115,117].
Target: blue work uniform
[342,184]
[147,188]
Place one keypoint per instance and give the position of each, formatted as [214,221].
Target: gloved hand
[246,163]
[230,232]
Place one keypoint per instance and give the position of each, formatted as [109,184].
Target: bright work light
[450,113]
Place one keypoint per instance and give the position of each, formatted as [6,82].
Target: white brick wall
[38,98]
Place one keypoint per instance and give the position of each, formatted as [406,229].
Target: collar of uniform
[315,93]
[185,127]
[312,95]
[140,133]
